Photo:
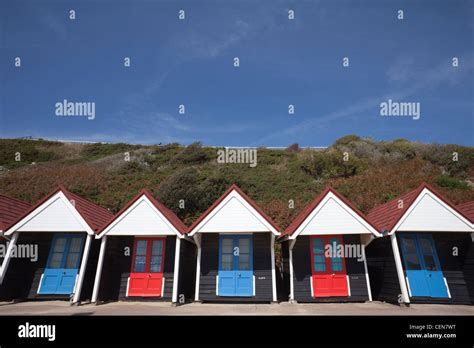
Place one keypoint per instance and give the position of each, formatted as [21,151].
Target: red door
[146,277]
[329,271]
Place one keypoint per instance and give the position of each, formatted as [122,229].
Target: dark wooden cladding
[187,271]
[468,269]
[302,274]
[262,269]
[23,277]
[284,286]
[382,270]
[116,268]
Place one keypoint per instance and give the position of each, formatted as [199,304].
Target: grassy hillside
[365,171]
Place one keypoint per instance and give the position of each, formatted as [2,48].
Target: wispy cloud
[204,44]
[414,81]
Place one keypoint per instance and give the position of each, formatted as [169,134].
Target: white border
[252,210]
[330,195]
[143,198]
[45,205]
[422,194]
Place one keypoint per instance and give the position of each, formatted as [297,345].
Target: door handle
[429,275]
[333,274]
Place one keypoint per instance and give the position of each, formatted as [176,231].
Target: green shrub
[346,140]
[453,183]
[193,154]
[331,164]
[401,147]
[29,151]
[98,150]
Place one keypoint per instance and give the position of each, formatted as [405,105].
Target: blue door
[235,266]
[59,276]
[422,266]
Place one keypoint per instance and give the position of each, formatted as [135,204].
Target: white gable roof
[233,215]
[429,213]
[57,214]
[141,218]
[333,216]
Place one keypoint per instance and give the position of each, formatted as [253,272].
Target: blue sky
[282,62]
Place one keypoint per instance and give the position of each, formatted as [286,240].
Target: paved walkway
[161,308]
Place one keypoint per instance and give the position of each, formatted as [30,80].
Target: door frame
[149,240]
[234,237]
[69,236]
[148,253]
[421,259]
[326,238]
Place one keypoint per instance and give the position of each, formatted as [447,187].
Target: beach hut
[236,256]
[61,228]
[426,253]
[145,255]
[323,252]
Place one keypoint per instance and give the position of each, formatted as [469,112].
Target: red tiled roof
[168,213]
[244,196]
[387,215]
[311,206]
[10,210]
[94,215]
[468,209]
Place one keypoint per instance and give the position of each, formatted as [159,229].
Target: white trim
[163,287]
[253,291]
[82,271]
[399,266]
[98,273]
[252,210]
[217,285]
[143,198]
[177,251]
[344,206]
[75,285]
[6,259]
[41,283]
[311,284]
[272,252]
[197,239]
[408,285]
[348,286]
[420,196]
[39,209]
[447,287]
[291,244]
[366,269]
[128,285]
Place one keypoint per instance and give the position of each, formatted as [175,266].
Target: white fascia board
[413,206]
[142,199]
[355,215]
[252,210]
[59,195]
